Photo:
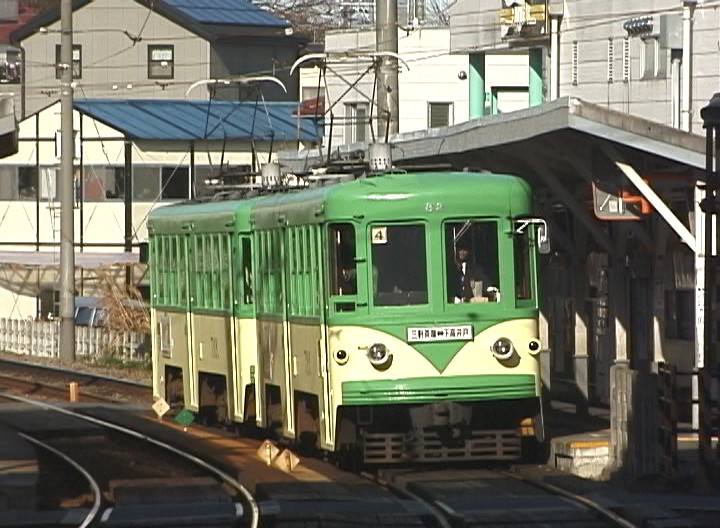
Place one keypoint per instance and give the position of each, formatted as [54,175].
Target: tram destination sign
[427,334]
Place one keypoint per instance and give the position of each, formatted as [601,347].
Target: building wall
[432,75]
[112,66]
[475,27]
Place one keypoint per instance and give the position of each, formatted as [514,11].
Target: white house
[131,156]
[433,84]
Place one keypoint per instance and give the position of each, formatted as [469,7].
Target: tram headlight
[341,357]
[534,347]
[503,349]
[378,355]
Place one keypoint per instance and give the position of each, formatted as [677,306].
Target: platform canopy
[559,147]
[30,272]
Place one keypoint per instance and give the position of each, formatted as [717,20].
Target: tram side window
[399,265]
[472,261]
[521,246]
[343,269]
[247,271]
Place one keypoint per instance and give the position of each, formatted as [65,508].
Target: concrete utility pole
[67,228]
[386,39]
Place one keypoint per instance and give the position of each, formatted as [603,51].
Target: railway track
[430,496]
[497,497]
[131,476]
[51,383]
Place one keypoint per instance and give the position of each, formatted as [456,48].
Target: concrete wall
[112,66]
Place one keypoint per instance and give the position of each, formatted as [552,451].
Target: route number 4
[379,235]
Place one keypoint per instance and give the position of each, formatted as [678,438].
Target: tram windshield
[471,248]
[399,265]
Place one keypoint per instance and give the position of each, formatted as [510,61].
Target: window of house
[648,58]
[356,122]
[117,190]
[311,92]
[161,61]
[653,59]
[76,60]
[440,115]
[146,183]
[202,178]
[8,182]
[27,182]
[48,183]
[175,182]
[103,183]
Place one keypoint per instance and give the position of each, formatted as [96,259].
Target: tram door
[187,268]
[272,391]
[306,348]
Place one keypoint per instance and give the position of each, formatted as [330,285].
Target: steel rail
[588,503]
[62,391]
[436,510]
[135,434]
[90,517]
[79,373]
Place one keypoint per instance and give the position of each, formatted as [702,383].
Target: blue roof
[233,12]
[196,120]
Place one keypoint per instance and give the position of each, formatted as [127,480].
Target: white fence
[42,339]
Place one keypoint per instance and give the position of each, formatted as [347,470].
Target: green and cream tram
[390,318]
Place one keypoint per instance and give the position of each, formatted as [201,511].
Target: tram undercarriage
[441,431]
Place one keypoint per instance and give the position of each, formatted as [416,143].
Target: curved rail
[90,517]
[441,515]
[436,511]
[550,488]
[187,456]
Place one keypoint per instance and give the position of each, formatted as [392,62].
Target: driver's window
[399,265]
[471,249]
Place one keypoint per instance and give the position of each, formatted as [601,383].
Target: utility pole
[386,39]
[67,177]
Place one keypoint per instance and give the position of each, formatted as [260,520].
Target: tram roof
[220,216]
[398,195]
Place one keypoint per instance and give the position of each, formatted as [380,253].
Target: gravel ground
[139,374]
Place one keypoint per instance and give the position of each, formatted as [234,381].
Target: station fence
[42,339]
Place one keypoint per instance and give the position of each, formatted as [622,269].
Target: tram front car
[432,322]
